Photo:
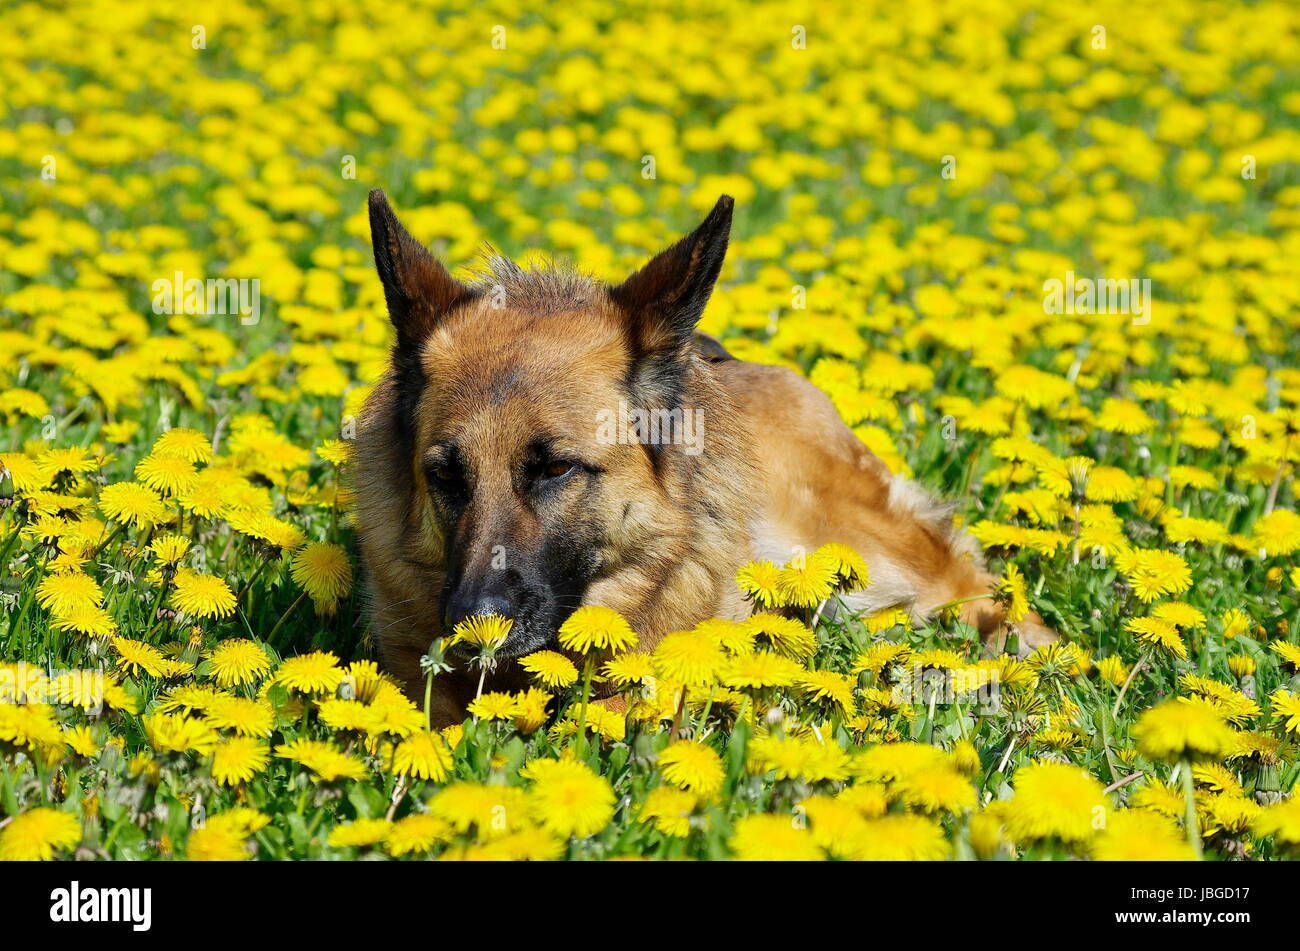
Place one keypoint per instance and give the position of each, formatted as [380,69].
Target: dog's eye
[556,469]
[444,475]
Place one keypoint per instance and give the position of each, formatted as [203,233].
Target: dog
[493,472]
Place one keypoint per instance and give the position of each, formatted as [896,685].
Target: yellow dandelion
[693,766]
[550,668]
[238,661]
[37,834]
[596,627]
[322,570]
[759,580]
[202,595]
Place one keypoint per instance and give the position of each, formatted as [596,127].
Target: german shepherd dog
[487,481]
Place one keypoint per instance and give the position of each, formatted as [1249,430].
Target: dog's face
[507,448]
[510,396]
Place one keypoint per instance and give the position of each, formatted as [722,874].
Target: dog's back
[821,484]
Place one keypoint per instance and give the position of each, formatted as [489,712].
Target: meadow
[182,605]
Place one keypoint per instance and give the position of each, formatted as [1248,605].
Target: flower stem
[704,717]
[582,713]
[27,603]
[9,544]
[251,578]
[270,638]
[1137,666]
[428,698]
[108,541]
[1189,801]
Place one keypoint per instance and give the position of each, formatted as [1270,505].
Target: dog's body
[490,479]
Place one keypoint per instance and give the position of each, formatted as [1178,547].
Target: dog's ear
[664,300]
[417,287]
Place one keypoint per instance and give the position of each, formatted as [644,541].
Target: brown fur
[522,352]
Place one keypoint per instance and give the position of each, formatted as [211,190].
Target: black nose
[467,602]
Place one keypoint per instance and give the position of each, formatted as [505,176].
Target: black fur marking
[418,291]
[408,385]
[503,384]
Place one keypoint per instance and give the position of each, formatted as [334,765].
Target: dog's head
[537,411]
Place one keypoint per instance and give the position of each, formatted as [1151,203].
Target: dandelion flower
[423,755]
[1180,613]
[246,717]
[63,593]
[1153,573]
[807,581]
[137,656]
[1012,587]
[1158,633]
[494,705]
[550,668]
[322,570]
[1054,800]
[829,685]
[359,834]
[1180,728]
[760,670]
[1140,835]
[328,763]
[169,549]
[531,709]
[316,672]
[759,581]
[631,667]
[1287,705]
[202,595]
[486,632]
[567,798]
[492,809]
[767,838]
[596,627]
[188,444]
[238,661]
[1281,819]
[1235,623]
[133,504]
[788,636]
[174,733]
[238,759]
[849,566]
[37,834]
[1241,665]
[170,475]
[901,838]
[669,810]
[692,766]
[418,833]
[1289,653]
[688,657]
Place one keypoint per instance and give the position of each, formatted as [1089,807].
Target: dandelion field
[186,671]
